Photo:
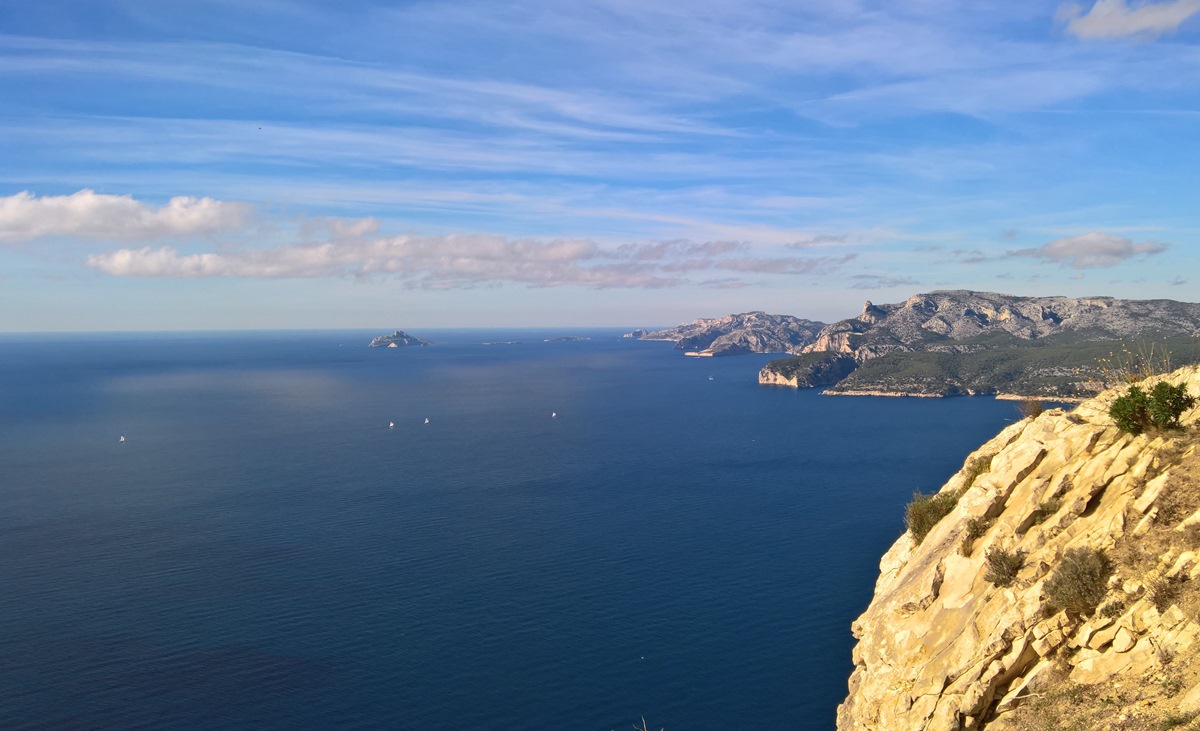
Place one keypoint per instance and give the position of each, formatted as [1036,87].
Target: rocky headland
[748,332]
[962,342]
[397,339]
[980,624]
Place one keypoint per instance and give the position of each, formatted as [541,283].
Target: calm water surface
[264,552]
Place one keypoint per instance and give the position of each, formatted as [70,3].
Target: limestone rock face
[807,371]
[935,320]
[961,342]
[941,648]
[749,332]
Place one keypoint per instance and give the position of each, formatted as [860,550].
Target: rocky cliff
[963,342]
[748,332]
[808,370]
[969,628]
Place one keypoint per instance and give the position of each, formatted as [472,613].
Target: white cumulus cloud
[1093,250]
[1116,19]
[90,215]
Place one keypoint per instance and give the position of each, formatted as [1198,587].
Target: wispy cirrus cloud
[87,214]
[1092,250]
[1117,19]
[875,281]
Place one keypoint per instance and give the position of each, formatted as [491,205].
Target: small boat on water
[426,419]
[121,439]
[391,425]
[553,414]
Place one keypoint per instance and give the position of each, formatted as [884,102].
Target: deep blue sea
[264,552]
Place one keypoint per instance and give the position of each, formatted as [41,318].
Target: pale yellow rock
[1088,629]
[1187,637]
[1153,489]
[941,649]
[1145,524]
[1192,519]
[1172,617]
[1100,668]
[1048,644]
[1029,684]
[1144,657]
[1103,637]
[1190,702]
[1185,561]
[1123,641]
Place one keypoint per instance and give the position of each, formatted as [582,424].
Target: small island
[396,340]
[566,339]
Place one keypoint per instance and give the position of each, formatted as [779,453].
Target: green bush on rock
[1003,566]
[1080,582]
[926,510]
[1137,411]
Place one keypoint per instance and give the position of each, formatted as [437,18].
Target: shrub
[1113,609]
[1003,566]
[1131,412]
[1137,411]
[1167,404]
[1080,582]
[975,468]
[1044,511]
[1175,720]
[976,527]
[1162,591]
[1030,408]
[926,510]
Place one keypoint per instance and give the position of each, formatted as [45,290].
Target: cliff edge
[969,628]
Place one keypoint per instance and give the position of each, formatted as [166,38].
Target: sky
[220,164]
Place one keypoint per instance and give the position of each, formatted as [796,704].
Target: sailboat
[121,439]
[553,414]
[426,419]
[391,425]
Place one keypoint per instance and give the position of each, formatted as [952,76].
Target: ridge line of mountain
[953,342]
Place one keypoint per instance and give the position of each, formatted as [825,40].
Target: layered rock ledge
[941,648]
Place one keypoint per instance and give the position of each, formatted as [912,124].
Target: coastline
[890,394]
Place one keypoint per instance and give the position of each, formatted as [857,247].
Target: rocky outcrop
[962,342]
[944,645]
[807,371]
[749,332]
[397,339]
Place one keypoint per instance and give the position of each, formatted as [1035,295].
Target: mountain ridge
[962,342]
[746,332]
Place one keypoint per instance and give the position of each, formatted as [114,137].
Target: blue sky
[289,164]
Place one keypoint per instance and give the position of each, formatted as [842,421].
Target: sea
[574,535]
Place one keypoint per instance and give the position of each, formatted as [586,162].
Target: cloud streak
[1091,250]
[467,261]
[1116,19]
[90,215]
